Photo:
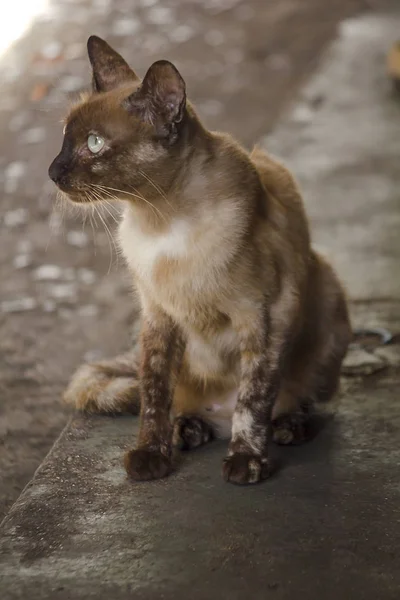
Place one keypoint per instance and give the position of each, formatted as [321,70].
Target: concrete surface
[60,277]
[327,525]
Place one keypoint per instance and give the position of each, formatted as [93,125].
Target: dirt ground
[65,296]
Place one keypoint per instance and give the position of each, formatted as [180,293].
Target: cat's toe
[243,469]
[191,432]
[291,428]
[143,464]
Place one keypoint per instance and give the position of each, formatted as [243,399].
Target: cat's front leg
[247,460]
[161,353]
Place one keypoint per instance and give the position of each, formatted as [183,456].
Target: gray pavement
[327,525]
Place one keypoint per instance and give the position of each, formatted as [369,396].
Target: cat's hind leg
[108,386]
[314,365]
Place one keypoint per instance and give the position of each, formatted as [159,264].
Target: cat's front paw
[142,464]
[245,468]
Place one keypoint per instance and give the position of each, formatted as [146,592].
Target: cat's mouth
[76,196]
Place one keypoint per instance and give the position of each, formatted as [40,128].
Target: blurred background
[64,295]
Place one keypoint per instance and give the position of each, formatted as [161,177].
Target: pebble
[359,362]
[13,173]
[69,274]
[49,306]
[302,114]
[86,276]
[52,50]
[18,305]
[47,273]
[72,83]
[21,261]
[244,13]
[35,135]
[18,121]
[73,51]
[278,62]
[159,15]
[214,37]
[211,108]
[77,238]
[181,34]
[92,355]
[89,310]
[16,217]
[122,27]
[24,246]
[63,290]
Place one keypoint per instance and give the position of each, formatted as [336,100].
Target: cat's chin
[74,197]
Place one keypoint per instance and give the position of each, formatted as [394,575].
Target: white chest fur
[143,250]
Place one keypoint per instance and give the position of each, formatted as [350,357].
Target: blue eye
[95,143]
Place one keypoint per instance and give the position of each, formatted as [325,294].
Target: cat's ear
[110,70]
[161,99]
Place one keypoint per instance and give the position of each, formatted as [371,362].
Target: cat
[243,325]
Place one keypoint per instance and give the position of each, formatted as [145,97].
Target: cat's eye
[95,143]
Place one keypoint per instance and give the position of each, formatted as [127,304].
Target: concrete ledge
[327,525]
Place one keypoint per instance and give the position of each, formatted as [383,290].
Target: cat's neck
[208,168]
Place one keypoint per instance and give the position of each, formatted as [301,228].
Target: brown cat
[243,324]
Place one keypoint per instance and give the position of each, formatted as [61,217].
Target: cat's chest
[145,252]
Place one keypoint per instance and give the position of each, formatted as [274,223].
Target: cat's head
[123,132]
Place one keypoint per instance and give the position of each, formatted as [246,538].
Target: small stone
[302,114]
[24,246]
[18,305]
[211,108]
[234,56]
[159,15]
[18,121]
[86,276]
[63,291]
[89,310]
[278,62]
[72,83]
[244,12]
[52,50]
[359,362]
[16,217]
[92,355]
[214,37]
[21,261]
[69,274]
[181,34]
[122,27]
[73,51]
[33,136]
[39,91]
[13,173]
[47,273]
[49,306]
[77,238]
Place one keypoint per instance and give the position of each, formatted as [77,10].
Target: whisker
[136,195]
[157,188]
[110,237]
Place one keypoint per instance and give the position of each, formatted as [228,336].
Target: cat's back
[284,203]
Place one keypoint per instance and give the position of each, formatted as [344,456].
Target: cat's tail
[107,386]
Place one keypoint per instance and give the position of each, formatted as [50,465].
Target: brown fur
[241,320]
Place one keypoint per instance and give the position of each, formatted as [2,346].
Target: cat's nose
[58,171]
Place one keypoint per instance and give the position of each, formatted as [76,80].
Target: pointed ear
[110,70]
[161,99]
